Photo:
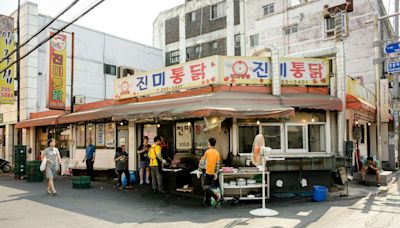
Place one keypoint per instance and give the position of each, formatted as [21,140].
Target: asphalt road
[24,204]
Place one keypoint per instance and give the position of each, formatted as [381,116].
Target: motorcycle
[5,165]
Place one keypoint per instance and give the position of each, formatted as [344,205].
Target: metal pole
[72,71]
[396,82]
[378,72]
[396,79]
[19,137]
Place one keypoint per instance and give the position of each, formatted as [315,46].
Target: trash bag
[123,180]
[217,191]
[65,170]
[133,177]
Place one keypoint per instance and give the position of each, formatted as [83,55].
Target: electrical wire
[54,34]
[41,30]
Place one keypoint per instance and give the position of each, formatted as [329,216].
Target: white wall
[104,158]
[92,49]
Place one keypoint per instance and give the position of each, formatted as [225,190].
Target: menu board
[150,130]
[183,136]
[80,136]
[100,135]
[110,135]
[90,132]
[200,136]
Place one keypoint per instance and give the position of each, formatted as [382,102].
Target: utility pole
[72,71]
[378,73]
[19,135]
[396,84]
[378,62]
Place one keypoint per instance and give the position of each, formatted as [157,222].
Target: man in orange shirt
[209,165]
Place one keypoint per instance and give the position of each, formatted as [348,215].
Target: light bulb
[258,122]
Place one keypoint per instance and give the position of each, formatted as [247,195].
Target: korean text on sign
[304,71]
[7,75]
[57,79]
[171,79]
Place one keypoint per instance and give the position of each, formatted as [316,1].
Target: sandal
[49,192]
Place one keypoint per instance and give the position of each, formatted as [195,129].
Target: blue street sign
[393,67]
[392,48]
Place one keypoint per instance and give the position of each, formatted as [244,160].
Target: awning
[100,113]
[355,103]
[43,121]
[227,104]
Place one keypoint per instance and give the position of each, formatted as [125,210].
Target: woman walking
[53,158]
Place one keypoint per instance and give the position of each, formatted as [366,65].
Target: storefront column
[72,145]
[32,143]
[234,137]
[341,94]
[328,133]
[9,138]
[132,145]
[26,141]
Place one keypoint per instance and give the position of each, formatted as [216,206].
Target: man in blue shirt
[90,156]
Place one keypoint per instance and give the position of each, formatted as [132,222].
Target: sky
[130,19]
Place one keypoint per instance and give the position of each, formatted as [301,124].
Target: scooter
[5,165]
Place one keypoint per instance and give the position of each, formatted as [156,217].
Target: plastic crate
[20,158]
[81,180]
[33,163]
[81,186]
[34,179]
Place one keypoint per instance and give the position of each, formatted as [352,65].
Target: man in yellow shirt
[156,160]
[209,165]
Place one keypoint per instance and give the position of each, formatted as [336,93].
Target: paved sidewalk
[26,204]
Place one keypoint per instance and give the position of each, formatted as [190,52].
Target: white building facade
[289,28]
[98,59]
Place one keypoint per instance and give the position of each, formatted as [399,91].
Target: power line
[53,35]
[41,30]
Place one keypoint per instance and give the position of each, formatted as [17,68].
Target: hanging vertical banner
[57,72]
[384,105]
[6,46]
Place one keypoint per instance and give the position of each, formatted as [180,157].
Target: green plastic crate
[81,180]
[34,179]
[81,186]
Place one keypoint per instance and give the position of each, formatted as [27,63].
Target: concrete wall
[93,49]
[311,33]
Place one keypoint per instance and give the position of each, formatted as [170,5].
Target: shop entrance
[123,136]
[41,141]
[167,130]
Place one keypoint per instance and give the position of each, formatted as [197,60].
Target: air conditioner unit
[80,100]
[124,71]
